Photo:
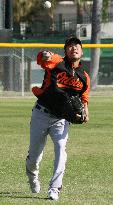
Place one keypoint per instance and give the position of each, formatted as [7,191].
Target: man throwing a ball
[65,79]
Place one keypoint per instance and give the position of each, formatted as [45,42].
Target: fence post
[22,70]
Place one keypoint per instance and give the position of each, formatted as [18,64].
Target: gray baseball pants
[41,125]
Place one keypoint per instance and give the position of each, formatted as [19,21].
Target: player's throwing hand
[47,55]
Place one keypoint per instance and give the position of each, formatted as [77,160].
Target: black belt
[41,108]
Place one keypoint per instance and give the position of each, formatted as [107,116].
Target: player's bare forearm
[87,112]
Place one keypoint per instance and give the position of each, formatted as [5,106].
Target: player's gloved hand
[47,55]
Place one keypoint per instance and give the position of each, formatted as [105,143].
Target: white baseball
[47,4]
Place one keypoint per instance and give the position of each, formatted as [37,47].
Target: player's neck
[75,64]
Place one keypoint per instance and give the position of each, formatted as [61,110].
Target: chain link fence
[19,71]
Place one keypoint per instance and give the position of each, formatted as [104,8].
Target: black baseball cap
[72,40]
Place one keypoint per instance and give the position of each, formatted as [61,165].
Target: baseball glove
[73,110]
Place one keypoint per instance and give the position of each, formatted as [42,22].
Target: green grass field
[89,173]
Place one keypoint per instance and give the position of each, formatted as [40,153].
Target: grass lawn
[88,179]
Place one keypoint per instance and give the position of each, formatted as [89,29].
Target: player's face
[74,51]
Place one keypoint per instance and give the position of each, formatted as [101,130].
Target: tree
[22,8]
[99,12]
[80,10]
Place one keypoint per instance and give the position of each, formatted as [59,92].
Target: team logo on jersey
[65,81]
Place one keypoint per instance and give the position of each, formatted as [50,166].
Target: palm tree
[95,38]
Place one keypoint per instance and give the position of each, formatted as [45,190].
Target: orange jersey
[61,76]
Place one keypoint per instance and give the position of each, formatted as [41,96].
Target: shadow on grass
[20,195]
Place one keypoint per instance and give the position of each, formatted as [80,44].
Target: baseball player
[64,77]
